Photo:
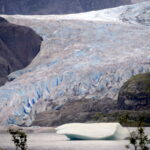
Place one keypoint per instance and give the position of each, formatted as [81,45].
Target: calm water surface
[52,141]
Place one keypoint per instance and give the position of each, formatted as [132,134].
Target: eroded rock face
[56,6]
[87,55]
[135,93]
[18,46]
[74,111]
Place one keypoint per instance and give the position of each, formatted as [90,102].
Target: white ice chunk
[93,131]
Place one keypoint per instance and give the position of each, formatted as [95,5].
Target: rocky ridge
[18,46]
[135,93]
[57,6]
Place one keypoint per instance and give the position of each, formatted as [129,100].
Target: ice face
[93,131]
[78,58]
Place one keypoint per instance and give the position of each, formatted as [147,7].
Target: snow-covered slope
[83,55]
[136,14]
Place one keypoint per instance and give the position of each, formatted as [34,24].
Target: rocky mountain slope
[133,99]
[18,46]
[58,6]
[87,55]
[75,111]
[135,93]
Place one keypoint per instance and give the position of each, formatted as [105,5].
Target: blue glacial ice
[79,58]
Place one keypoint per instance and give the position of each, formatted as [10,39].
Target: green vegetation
[141,80]
[122,115]
[135,93]
[138,139]
[19,138]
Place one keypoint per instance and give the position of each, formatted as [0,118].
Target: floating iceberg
[93,131]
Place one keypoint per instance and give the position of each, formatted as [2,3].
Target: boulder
[135,93]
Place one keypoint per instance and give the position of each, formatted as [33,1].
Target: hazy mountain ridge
[79,58]
[58,6]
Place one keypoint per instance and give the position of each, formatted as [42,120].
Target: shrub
[138,139]
[19,138]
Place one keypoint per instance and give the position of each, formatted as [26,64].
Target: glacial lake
[45,140]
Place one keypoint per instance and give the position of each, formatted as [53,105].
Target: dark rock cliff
[18,46]
[56,6]
[135,93]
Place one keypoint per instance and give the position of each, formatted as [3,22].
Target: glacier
[86,55]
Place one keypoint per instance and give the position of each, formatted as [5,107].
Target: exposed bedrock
[18,46]
[135,93]
[79,58]
[74,111]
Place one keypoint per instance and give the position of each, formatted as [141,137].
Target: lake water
[53,141]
